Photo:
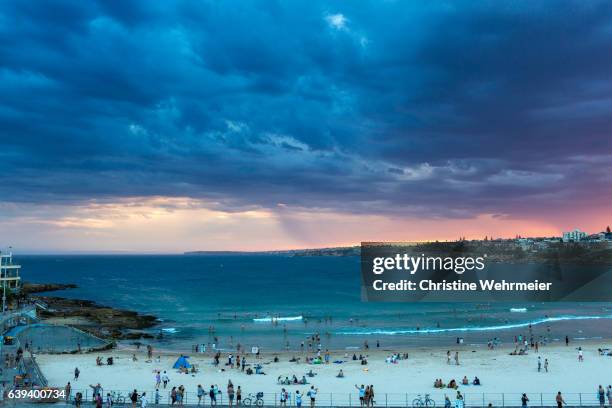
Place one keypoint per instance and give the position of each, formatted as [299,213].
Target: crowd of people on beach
[438,383]
[234,397]
[293,381]
[231,395]
[396,357]
[177,396]
[523,344]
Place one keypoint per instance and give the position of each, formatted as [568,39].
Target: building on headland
[598,237]
[9,276]
[574,236]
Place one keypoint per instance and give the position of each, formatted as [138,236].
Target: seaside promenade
[515,402]
[351,400]
[63,404]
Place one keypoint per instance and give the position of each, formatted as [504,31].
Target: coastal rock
[28,287]
[137,335]
[102,321]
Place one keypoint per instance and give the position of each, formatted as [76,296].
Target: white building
[9,276]
[574,236]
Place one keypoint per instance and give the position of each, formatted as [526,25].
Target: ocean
[230,299]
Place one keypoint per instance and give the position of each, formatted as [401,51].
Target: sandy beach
[498,372]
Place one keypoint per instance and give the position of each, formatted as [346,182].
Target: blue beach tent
[182,362]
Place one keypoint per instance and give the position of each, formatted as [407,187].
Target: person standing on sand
[76,373]
[238,396]
[371,399]
[580,355]
[609,395]
[157,380]
[165,379]
[456,358]
[546,364]
[539,364]
[601,395]
[566,341]
[448,357]
[560,400]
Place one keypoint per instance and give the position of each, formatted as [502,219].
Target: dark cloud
[445,109]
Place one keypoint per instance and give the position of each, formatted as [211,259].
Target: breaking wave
[473,328]
[277,319]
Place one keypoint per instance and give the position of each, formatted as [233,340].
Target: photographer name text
[458,285]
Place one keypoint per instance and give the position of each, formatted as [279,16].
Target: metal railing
[272,399]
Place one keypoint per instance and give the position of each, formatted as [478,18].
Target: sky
[154,126]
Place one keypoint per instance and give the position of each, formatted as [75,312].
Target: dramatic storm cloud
[401,110]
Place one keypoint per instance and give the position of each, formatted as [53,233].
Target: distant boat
[518,309]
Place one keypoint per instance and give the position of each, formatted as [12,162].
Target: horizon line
[237,251]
